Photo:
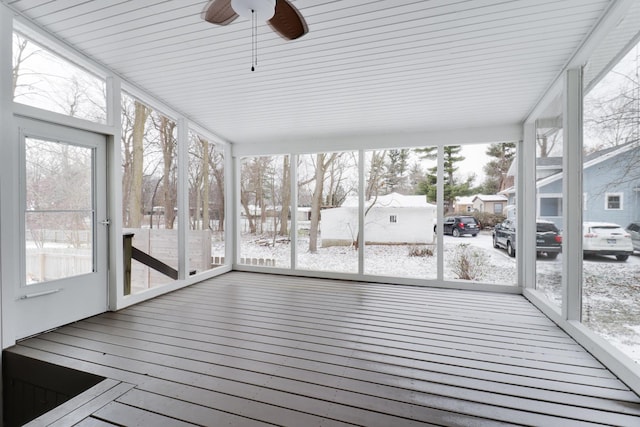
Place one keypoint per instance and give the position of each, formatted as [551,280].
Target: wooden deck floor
[247,349]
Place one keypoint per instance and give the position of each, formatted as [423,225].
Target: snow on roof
[491,197]
[392,200]
[464,200]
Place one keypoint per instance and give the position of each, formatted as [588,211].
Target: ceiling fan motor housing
[264,9]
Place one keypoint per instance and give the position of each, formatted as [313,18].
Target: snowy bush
[420,251]
[468,262]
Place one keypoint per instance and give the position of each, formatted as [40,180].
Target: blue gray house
[611,183]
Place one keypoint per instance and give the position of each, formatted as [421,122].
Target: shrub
[468,263]
[420,251]
[487,219]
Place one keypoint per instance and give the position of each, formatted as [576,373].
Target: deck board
[253,349]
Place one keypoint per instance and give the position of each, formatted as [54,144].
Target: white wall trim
[114,196]
[526,207]
[330,143]
[7,180]
[390,280]
[607,22]
[572,200]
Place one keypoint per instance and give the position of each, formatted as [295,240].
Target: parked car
[460,225]
[634,231]
[548,238]
[606,238]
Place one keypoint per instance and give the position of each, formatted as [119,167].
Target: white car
[605,238]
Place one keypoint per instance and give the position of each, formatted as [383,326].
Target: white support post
[9,200]
[440,213]
[526,207]
[361,202]
[293,232]
[183,198]
[231,215]
[6,26]
[572,196]
[114,202]
[237,208]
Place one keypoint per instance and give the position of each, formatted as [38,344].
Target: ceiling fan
[281,15]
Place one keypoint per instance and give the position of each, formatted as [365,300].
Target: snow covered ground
[611,292]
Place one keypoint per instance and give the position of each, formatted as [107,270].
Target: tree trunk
[205,184]
[168,189]
[316,202]
[137,153]
[219,177]
[286,198]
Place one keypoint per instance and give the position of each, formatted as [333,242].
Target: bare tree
[286,197]
[166,128]
[323,161]
[134,158]
[216,165]
[547,141]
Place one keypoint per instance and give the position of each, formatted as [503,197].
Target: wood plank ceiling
[365,67]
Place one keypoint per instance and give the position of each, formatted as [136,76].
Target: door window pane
[59,214]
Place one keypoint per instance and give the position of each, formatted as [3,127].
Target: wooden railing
[131,252]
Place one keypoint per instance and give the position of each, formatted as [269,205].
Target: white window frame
[606,201]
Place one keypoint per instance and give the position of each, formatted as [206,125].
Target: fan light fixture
[264,9]
[283,18]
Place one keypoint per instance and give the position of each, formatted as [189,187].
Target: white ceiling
[366,66]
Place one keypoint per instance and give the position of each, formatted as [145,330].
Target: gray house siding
[612,178]
[608,180]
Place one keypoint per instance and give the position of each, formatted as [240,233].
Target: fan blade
[287,21]
[219,12]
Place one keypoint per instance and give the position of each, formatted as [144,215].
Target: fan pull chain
[254,40]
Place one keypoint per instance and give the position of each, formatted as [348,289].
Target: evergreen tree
[396,171]
[452,186]
[502,155]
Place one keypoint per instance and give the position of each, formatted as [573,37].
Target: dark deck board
[252,349]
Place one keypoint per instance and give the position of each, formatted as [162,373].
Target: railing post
[127,253]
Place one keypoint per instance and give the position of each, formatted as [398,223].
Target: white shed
[394,219]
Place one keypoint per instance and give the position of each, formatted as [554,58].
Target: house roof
[372,68]
[464,200]
[594,158]
[392,200]
[490,198]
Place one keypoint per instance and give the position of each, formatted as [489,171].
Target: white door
[64,227]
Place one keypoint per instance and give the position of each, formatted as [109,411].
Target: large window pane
[328,212]
[265,199]
[59,217]
[45,80]
[206,246]
[149,189]
[611,186]
[398,215]
[549,215]
[479,194]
